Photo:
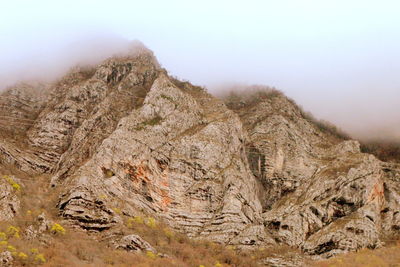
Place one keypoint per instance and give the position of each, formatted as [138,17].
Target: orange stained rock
[377,194]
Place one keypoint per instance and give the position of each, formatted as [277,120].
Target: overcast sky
[339,59]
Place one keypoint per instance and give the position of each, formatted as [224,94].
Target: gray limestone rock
[9,200]
[133,243]
[125,137]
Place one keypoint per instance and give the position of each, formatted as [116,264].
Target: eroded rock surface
[174,158]
[6,259]
[133,243]
[9,200]
[125,138]
[321,193]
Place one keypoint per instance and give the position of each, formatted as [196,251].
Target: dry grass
[383,257]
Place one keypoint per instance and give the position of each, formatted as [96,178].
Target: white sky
[338,59]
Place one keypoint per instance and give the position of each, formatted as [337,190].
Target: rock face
[19,107]
[9,201]
[124,138]
[176,158]
[133,243]
[284,148]
[391,212]
[322,194]
[6,259]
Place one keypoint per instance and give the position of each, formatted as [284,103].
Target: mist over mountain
[369,114]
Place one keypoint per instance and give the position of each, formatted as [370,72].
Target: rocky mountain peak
[124,139]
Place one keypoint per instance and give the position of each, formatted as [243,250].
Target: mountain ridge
[125,140]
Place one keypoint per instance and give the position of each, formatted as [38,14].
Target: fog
[337,59]
[46,61]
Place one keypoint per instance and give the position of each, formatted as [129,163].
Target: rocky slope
[321,193]
[124,139]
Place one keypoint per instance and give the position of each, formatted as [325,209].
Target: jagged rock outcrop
[284,148]
[337,210]
[322,194]
[391,209]
[133,243]
[39,230]
[276,260]
[6,259]
[19,107]
[9,200]
[125,138]
[179,156]
[85,108]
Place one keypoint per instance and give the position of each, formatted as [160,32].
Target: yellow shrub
[103,197]
[11,181]
[168,233]
[11,248]
[151,255]
[22,256]
[39,258]
[151,222]
[3,236]
[217,264]
[57,229]
[13,231]
[3,243]
[34,251]
[138,219]
[117,211]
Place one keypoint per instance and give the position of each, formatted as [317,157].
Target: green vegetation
[167,98]
[151,122]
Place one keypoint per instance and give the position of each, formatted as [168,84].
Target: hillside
[122,158]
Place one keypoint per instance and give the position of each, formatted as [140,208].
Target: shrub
[168,233]
[151,222]
[151,255]
[117,211]
[13,231]
[244,96]
[138,219]
[40,259]
[11,248]
[3,236]
[22,256]
[11,181]
[383,150]
[57,229]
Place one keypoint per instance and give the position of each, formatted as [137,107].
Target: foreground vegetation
[383,257]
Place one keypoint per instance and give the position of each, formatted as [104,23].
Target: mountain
[109,148]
